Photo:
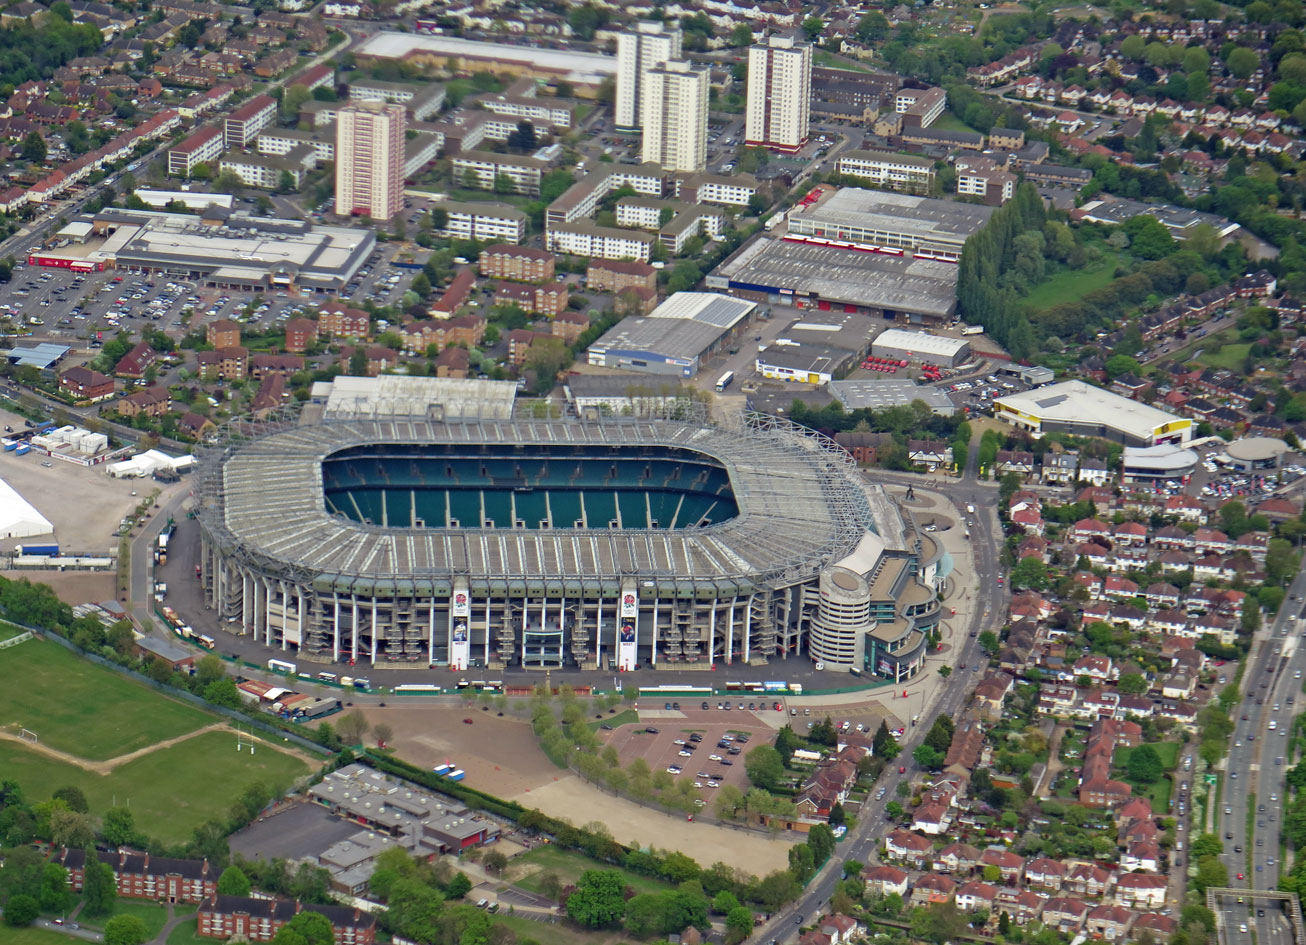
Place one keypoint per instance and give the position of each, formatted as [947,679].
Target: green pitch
[170,791]
[78,707]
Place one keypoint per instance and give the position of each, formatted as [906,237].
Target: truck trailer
[50,551]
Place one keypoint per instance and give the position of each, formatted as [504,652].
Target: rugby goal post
[27,735]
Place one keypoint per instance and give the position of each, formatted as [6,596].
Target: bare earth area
[500,755]
[73,587]
[581,802]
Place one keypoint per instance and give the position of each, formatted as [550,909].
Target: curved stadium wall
[538,542]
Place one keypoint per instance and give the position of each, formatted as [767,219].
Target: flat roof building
[909,173]
[1084,410]
[921,346]
[1152,463]
[805,364]
[873,217]
[639,51]
[587,70]
[812,275]
[675,337]
[877,394]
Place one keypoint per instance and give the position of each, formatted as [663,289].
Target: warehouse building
[1084,410]
[881,394]
[921,346]
[806,364]
[675,337]
[921,225]
[810,275]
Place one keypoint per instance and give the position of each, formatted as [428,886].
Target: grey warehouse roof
[801,507]
[922,217]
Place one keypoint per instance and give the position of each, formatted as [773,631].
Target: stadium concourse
[412,540]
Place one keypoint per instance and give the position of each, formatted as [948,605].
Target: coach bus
[281,666]
[724,381]
[206,641]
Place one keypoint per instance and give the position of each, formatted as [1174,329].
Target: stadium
[613,543]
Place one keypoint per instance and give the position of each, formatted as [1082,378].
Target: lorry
[972,330]
[161,549]
[50,551]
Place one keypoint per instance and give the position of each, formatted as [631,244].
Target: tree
[124,930]
[72,797]
[68,828]
[352,727]
[99,886]
[383,734]
[209,669]
[764,766]
[776,889]
[821,840]
[21,910]
[739,923]
[523,137]
[812,27]
[1144,765]
[495,861]
[599,901]
[34,149]
[927,757]
[233,882]
[547,358]
[223,692]
[801,863]
[938,923]
[55,892]
[741,35]
[119,827]
[307,928]
[837,818]
[458,887]
[1134,684]
[1242,62]
[988,641]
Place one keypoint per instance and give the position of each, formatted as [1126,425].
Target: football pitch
[86,710]
[170,791]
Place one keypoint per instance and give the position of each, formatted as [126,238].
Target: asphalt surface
[1255,773]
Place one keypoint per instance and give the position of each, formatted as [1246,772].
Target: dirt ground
[500,755]
[83,503]
[581,803]
[73,587]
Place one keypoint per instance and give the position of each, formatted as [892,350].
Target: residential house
[886,879]
[974,895]
[85,384]
[1141,890]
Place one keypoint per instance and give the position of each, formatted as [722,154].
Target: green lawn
[625,717]
[84,709]
[45,937]
[950,122]
[1229,356]
[831,61]
[153,914]
[1070,284]
[8,630]
[525,870]
[1157,792]
[543,932]
[170,790]
[185,934]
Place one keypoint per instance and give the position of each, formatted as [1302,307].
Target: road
[866,838]
[1256,769]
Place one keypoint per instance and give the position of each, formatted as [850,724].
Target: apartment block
[908,173]
[482,168]
[244,124]
[587,239]
[674,99]
[639,51]
[201,147]
[421,101]
[265,170]
[518,263]
[483,221]
[778,110]
[370,151]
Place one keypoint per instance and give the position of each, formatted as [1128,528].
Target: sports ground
[175,765]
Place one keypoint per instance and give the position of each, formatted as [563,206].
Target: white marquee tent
[18,517]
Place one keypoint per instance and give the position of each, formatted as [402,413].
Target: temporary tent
[18,518]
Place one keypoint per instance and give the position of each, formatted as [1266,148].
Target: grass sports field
[83,709]
[34,936]
[171,790]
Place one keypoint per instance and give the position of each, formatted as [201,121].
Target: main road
[1255,775]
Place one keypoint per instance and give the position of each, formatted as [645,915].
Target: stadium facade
[610,544]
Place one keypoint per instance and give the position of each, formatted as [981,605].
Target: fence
[14,641]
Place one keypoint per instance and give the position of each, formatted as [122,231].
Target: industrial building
[880,394]
[675,337]
[1157,463]
[769,543]
[805,364]
[584,71]
[921,225]
[238,251]
[1254,454]
[814,275]
[921,346]
[1084,410]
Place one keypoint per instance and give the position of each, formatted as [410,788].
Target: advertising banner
[460,613]
[627,626]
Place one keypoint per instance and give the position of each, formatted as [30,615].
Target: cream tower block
[675,116]
[778,113]
[640,50]
[370,159]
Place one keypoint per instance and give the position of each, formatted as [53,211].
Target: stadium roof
[891,392]
[1076,402]
[394,395]
[873,280]
[801,507]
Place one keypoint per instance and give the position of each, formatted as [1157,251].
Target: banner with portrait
[460,613]
[627,629]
